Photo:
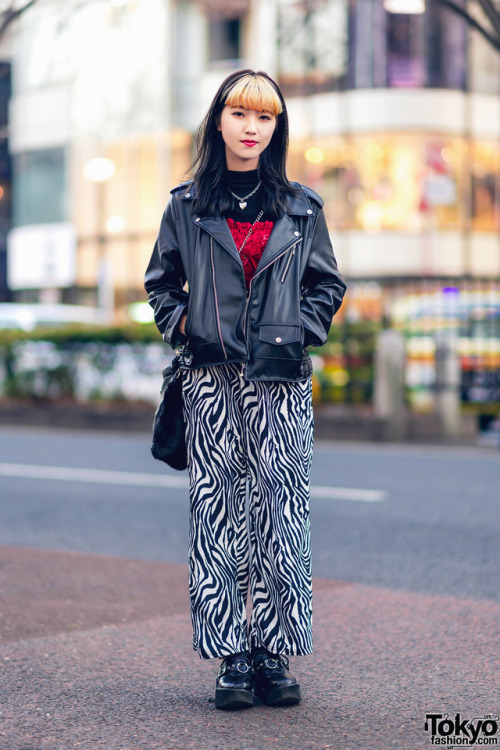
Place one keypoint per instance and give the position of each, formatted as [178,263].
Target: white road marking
[137,479]
[98,476]
[349,493]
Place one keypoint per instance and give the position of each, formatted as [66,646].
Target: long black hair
[209,166]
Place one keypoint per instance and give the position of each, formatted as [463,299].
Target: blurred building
[5,176]
[398,127]
[395,120]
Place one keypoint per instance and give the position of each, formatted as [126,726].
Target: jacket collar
[297,205]
[285,232]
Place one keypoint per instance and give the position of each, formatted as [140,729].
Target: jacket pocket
[279,335]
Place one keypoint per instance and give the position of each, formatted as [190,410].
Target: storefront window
[465,314]
[322,165]
[485,183]
[385,182]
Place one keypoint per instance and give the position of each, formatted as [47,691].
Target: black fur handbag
[169,442]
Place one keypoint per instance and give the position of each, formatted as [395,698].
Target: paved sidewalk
[96,655]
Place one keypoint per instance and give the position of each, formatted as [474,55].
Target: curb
[331,422]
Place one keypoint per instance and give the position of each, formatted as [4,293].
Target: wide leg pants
[248,439]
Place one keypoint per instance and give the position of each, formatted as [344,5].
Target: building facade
[395,121]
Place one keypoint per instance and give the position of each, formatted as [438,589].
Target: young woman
[262,285]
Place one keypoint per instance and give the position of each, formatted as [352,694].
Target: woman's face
[246,133]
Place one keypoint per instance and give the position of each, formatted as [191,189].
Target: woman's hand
[182,325]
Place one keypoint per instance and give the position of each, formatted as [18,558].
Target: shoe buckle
[243,668]
[271,663]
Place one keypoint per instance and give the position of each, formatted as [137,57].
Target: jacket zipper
[216,298]
[290,258]
[244,364]
[245,321]
[290,247]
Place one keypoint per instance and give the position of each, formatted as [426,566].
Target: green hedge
[363,333]
[55,354]
[346,376]
[62,336]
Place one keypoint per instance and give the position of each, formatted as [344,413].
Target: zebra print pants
[250,439]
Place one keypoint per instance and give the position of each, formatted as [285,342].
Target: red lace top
[254,247]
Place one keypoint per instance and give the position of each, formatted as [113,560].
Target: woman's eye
[265,117]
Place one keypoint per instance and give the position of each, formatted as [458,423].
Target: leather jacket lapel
[217,227]
[283,236]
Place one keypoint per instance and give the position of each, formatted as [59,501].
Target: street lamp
[99,171]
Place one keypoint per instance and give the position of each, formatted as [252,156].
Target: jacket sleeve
[165,279]
[323,287]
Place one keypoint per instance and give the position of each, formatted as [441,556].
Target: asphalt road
[95,634]
[423,519]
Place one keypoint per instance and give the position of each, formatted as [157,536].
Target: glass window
[322,166]
[405,58]
[399,50]
[39,187]
[5,187]
[402,181]
[5,176]
[485,184]
[312,46]
[5,92]
[484,59]
[5,160]
[224,39]
[445,48]
[385,181]
[467,313]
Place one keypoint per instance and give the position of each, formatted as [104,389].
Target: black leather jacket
[293,295]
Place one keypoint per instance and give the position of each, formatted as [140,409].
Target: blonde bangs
[254,92]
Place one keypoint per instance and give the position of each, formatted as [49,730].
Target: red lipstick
[249,143]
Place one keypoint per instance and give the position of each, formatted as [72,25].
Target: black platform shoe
[273,682]
[234,687]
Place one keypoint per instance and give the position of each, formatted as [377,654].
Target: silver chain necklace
[243,201]
[240,248]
